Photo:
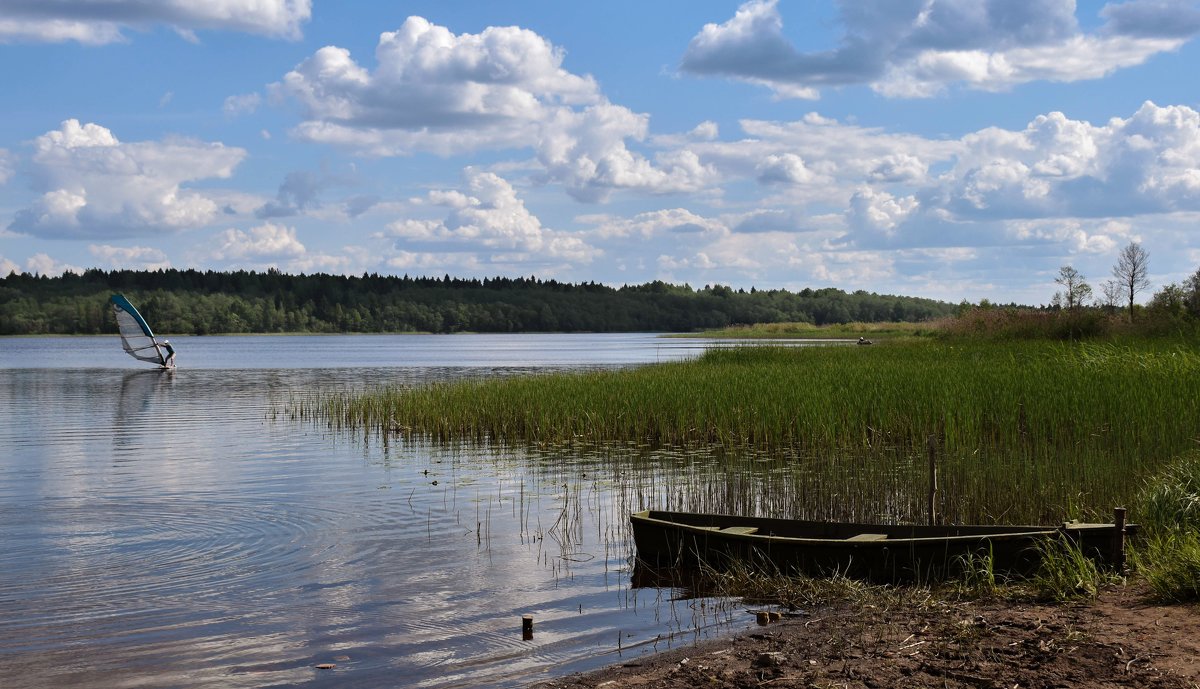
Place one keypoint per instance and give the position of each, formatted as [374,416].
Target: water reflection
[135,405]
[174,530]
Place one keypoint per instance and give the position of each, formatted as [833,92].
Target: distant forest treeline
[208,302]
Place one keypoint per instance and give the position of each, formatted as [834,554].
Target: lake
[181,529]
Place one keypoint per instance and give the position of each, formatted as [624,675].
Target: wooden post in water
[526,627]
[932,479]
[1118,544]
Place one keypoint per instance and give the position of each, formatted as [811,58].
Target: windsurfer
[169,362]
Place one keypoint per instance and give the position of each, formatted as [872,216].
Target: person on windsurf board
[169,361]
[137,339]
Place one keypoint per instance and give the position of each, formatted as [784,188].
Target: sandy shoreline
[1119,640]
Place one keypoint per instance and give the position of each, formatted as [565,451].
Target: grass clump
[1168,556]
[1170,564]
[761,583]
[977,577]
[1065,573]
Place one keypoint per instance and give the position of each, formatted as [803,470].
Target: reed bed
[1019,431]
[831,331]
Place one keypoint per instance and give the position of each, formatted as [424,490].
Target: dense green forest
[207,302]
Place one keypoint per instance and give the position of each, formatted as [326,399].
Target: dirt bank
[1119,640]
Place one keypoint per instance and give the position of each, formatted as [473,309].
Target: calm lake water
[175,529]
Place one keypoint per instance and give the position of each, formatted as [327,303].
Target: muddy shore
[1121,639]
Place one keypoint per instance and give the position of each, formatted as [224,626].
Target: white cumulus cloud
[917,49]
[670,221]
[435,90]
[907,188]
[878,211]
[820,162]
[43,264]
[93,185]
[97,22]
[1078,236]
[8,266]
[784,168]
[139,257]
[489,219]
[1059,167]
[268,241]
[503,88]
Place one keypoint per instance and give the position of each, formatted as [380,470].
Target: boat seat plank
[740,530]
[868,537]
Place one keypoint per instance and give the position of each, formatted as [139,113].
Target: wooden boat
[867,551]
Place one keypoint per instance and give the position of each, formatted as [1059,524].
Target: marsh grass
[1170,564]
[1170,500]
[1022,432]
[1168,555]
[973,397]
[819,332]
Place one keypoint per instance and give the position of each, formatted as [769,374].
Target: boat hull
[863,551]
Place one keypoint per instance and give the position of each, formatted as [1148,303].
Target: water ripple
[166,530]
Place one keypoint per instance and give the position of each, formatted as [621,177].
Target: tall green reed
[1168,555]
[1021,431]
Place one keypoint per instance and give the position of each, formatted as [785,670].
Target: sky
[951,149]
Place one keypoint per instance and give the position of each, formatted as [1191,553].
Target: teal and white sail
[136,337]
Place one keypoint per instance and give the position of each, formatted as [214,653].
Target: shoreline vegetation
[811,331]
[1025,432]
[191,302]
[1024,429]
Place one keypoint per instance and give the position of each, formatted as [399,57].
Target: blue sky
[954,149]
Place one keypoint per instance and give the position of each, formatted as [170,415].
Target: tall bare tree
[1131,271]
[1076,290]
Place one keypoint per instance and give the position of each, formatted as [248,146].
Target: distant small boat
[862,551]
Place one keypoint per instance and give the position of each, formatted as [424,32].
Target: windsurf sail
[136,337]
